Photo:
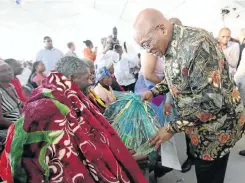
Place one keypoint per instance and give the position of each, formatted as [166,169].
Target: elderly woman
[108,63]
[63,138]
[103,87]
[89,91]
[9,101]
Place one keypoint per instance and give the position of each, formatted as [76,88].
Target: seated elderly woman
[9,102]
[103,87]
[62,137]
[107,61]
[89,91]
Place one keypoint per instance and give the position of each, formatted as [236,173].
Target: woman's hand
[162,136]
[147,96]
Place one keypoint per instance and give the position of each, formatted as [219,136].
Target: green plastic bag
[135,122]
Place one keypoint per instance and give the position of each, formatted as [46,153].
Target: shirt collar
[177,30]
[229,44]
[49,49]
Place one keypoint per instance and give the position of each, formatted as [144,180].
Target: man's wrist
[154,93]
[174,127]
[170,129]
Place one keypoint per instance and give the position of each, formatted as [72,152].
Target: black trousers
[211,171]
[188,151]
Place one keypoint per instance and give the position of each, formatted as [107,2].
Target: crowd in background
[103,72]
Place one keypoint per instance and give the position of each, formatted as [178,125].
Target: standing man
[71,46]
[49,55]
[231,50]
[210,110]
[168,109]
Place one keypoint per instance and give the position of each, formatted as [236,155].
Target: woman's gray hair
[89,62]
[70,65]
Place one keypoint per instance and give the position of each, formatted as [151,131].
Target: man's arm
[160,89]
[205,100]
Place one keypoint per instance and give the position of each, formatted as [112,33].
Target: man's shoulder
[57,50]
[234,44]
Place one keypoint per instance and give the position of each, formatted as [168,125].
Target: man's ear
[162,29]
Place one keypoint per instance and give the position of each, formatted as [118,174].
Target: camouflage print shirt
[210,109]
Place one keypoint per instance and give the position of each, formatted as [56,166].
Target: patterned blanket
[62,137]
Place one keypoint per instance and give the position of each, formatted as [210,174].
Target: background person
[49,54]
[88,53]
[71,46]
[17,68]
[73,132]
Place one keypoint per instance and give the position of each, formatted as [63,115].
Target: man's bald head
[225,29]
[152,31]
[224,36]
[175,21]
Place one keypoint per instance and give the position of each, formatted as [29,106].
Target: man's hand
[162,136]
[147,96]
[167,110]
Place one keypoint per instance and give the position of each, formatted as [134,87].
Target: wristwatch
[169,129]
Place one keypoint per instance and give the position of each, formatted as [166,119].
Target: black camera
[114,41]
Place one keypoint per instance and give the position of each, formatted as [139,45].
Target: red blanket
[63,138]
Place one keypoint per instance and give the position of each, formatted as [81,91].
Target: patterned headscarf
[101,73]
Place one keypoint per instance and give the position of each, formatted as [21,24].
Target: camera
[114,40]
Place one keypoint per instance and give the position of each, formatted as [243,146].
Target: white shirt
[49,58]
[241,69]
[232,52]
[122,70]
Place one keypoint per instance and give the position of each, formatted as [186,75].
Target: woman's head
[6,73]
[106,81]
[38,67]
[88,43]
[103,76]
[76,70]
[15,65]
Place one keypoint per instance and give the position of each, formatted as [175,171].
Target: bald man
[210,110]
[175,21]
[231,50]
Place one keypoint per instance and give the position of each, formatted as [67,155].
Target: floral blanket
[62,137]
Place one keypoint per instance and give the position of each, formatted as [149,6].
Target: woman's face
[6,73]
[107,81]
[41,67]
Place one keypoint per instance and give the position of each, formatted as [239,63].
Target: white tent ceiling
[22,26]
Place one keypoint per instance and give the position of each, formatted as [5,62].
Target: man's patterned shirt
[210,109]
